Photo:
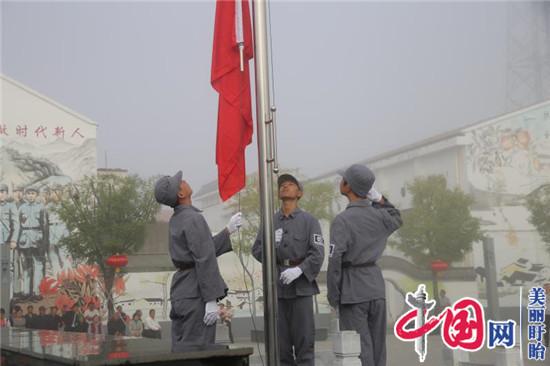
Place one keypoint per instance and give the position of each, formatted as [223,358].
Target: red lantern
[439,265]
[117,261]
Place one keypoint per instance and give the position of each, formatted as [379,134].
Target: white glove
[290,275]
[13,245]
[278,235]
[210,313]
[374,195]
[235,222]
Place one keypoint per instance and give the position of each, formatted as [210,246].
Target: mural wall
[506,160]
[512,156]
[44,148]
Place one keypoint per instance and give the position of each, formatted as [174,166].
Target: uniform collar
[360,203]
[180,208]
[292,215]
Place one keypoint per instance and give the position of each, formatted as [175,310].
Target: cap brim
[288,178]
[176,179]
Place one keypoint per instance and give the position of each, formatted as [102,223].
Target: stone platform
[22,347]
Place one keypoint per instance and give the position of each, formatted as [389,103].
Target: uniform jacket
[358,236]
[33,226]
[191,241]
[9,222]
[302,239]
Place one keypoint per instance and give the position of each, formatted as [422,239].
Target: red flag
[233,86]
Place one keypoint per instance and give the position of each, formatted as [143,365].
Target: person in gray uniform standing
[197,285]
[355,284]
[57,231]
[299,253]
[32,245]
[9,219]
[9,231]
[18,196]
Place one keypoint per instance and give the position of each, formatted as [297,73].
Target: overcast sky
[352,79]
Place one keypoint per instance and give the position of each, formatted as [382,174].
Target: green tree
[318,200]
[538,204]
[439,226]
[106,215]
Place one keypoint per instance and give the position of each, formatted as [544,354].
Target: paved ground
[401,353]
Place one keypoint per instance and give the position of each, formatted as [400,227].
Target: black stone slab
[24,347]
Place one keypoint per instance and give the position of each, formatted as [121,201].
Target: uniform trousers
[369,320]
[33,262]
[296,325]
[188,328]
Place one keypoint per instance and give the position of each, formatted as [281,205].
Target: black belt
[349,264]
[31,228]
[290,262]
[183,266]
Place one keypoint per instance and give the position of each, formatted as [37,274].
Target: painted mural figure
[9,226]
[9,220]
[18,196]
[57,230]
[32,244]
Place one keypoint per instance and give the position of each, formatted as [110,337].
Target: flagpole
[264,121]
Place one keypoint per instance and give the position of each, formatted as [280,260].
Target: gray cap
[360,178]
[289,178]
[31,189]
[19,188]
[3,187]
[167,188]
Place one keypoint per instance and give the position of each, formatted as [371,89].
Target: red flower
[48,286]
[86,271]
[63,300]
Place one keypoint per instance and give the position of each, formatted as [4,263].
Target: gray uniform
[57,231]
[301,245]
[9,222]
[9,231]
[198,280]
[32,245]
[355,283]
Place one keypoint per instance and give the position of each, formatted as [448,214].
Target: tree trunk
[109,277]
